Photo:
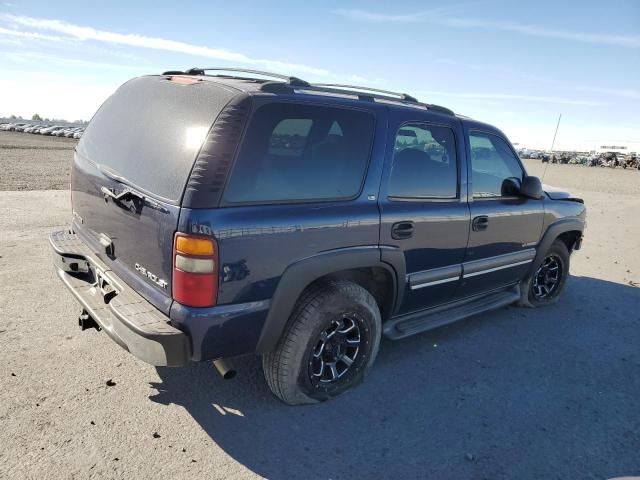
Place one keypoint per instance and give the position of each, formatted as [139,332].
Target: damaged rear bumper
[130,320]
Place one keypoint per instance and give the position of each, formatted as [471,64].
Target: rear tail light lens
[194,245]
[195,270]
[194,265]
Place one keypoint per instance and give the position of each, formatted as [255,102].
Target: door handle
[480,223]
[401,230]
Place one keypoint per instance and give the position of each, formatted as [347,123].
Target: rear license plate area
[102,285]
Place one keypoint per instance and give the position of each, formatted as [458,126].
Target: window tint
[289,137]
[492,161]
[150,130]
[301,152]
[424,163]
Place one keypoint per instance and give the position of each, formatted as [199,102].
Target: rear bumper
[130,320]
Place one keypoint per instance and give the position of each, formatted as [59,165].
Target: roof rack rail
[440,109]
[293,81]
[403,96]
[385,94]
[336,88]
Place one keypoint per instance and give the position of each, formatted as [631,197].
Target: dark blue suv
[221,212]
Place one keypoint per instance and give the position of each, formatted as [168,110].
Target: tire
[296,370]
[531,289]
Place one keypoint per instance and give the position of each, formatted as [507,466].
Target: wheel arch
[569,230]
[362,265]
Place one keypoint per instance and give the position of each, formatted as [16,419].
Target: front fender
[553,231]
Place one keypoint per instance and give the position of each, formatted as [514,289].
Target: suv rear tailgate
[129,173]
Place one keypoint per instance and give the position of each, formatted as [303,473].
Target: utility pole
[555,133]
[552,145]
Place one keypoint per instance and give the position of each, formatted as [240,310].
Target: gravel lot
[35,162]
[549,393]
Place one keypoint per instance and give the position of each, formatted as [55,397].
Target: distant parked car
[39,128]
[78,134]
[75,130]
[50,130]
[20,128]
[63,132]
[11,127]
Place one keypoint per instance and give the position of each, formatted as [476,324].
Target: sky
[513,65]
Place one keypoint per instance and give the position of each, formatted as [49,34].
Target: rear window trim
[224,203]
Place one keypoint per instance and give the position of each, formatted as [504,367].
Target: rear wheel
[548,280]
[330,342]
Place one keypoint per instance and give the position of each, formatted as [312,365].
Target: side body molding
[492,264]
[302,273]
[435,276]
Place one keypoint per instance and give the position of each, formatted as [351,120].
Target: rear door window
[424,163]
[294,152]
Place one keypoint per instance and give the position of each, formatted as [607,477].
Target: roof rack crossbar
[403,96]
[295,81]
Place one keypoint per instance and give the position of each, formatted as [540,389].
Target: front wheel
[330,342]
[549,277]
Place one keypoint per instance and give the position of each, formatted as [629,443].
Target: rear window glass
[150,131]
[301,152]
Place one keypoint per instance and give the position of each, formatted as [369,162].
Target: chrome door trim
[435,276]
[499,262]
[482,272]
[435,282]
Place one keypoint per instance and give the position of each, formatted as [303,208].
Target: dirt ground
[35,162]
[514,394]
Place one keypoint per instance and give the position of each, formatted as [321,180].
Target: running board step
[419,322]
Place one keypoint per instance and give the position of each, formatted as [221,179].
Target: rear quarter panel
[257,243]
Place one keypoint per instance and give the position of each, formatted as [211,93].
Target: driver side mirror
[531,188]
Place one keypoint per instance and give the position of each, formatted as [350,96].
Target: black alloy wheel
[336,350]
[547,278]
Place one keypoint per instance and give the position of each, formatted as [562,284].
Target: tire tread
[276,364]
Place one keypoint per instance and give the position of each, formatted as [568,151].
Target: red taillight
[195,270]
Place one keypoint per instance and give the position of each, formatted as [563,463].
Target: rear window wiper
[124,195]
[128,192]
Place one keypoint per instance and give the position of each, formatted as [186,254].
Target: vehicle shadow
[516,393]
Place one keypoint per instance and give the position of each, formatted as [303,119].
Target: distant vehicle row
[603,159]
[52,130]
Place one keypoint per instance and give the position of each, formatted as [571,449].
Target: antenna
[553,142]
